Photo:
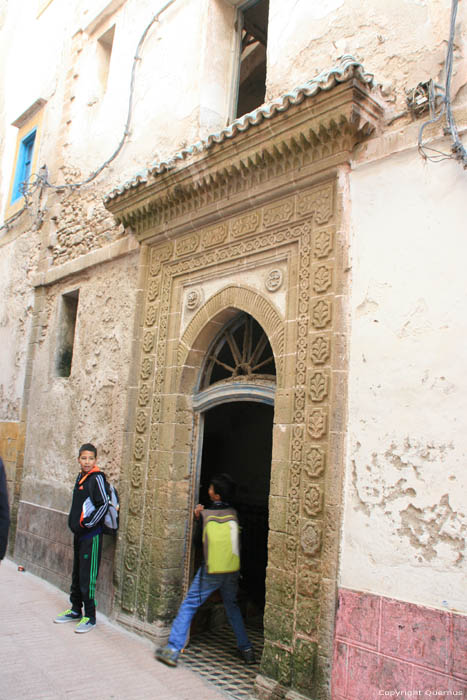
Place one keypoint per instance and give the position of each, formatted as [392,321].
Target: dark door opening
[238,441]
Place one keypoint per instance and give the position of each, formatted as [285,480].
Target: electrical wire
[126,130]
[40,179]
[458,151]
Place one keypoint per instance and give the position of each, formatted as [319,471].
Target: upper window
[23,166]
[25,162]
[104,53]
[253,28]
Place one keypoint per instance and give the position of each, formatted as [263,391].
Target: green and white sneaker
[86,625]
[68,616]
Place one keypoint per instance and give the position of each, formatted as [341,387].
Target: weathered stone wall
[90,405]
[403,42]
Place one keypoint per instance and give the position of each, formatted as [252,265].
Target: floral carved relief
[317,423]
[319,204]
[321,313]
[310,538]
[320,350]
[312,501]
[245,224]
[315,461]
[322,279]
[279,213]
[318,386]
[323,243]
[214,236]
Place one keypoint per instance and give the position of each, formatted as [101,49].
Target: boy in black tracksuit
[87,513]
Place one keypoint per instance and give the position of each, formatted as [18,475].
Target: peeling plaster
[427,528]
[396,482]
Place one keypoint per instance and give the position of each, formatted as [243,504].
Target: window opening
[66,334]
[23,166]
[104,53]
[241,352]
[252,69]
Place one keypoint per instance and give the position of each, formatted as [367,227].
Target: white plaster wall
[405,509]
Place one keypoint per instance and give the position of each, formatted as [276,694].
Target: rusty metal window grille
[241,352]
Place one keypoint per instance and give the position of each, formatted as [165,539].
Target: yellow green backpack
[221,540]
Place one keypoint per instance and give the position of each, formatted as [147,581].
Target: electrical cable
[126,131]
[458,151]
[41,178]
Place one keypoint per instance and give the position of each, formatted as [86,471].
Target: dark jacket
[4,511]
[89,504]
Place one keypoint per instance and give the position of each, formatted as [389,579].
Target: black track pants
[87,557]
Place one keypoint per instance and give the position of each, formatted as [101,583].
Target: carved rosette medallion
[274,279]
[194,299]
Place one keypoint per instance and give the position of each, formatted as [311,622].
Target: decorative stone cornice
[317,123]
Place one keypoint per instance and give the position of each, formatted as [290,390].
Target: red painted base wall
[385,648]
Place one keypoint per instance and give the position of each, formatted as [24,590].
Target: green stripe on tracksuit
[87,552]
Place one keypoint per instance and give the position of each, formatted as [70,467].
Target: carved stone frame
[295,212]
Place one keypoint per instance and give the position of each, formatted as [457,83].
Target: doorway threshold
[214,656]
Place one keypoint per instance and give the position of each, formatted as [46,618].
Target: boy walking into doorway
[88,508]
[220,571]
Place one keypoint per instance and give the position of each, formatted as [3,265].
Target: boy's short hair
[224,486]
[87,447]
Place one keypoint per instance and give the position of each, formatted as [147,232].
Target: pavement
[40,660]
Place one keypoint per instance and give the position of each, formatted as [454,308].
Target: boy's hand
[198,510]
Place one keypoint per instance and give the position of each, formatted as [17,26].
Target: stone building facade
[284,297]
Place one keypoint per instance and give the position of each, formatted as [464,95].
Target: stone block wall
[44,546]
[389,648]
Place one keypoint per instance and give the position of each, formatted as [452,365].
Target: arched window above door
[240,353]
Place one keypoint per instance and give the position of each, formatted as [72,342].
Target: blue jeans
[201,588]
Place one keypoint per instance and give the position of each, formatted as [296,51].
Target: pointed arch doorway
[235,405]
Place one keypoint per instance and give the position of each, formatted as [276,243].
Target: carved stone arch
[214,314]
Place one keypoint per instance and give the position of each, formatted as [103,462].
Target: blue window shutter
[23,165]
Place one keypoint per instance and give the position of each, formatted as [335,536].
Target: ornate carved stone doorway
[254,223]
